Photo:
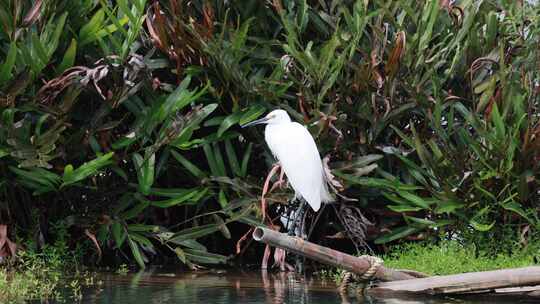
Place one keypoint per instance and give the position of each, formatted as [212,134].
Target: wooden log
[466,282]
[326,255]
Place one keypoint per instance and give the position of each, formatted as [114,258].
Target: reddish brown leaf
[241,240]
[266,257]
[7,247]
[208,20]
[92,237]
[338,235]
[392,66]
[277,6]
[3,235]
[155,37]
[272,172]
[33,14]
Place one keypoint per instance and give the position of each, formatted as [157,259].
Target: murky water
[227,288]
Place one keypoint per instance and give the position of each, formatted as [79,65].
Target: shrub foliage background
[119,119]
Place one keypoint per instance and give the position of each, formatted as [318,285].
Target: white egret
[294,147]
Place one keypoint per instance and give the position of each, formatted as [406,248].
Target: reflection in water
[210,288]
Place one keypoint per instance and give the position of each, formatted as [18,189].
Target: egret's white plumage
[294,147]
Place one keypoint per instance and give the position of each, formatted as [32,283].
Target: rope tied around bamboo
[359,282]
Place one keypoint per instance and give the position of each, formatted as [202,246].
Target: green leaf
[88,31]
[228,122]
[7,67]
[40,51]
[401,208]
[3,152]
[220,163]
[204,257]
[251,114]
[180,254]
[123,142]
[481,227]
[176,101]
[69,57]
[222,226]
[211,160]
[193,245]
[193,233]
[111,28]
[448,207]
[142,240]
[432,13]
[396,234]
[193,124]
[87,169]
[421,221]
[123,5]
[145,171]
[135,250]
[39,179]
[192,168]
[222,199]
[498,121]
[231,156]
[416,200]
[58,25]
[142,228]
[245,160]
[518,209]
[135,211]
[175,200]
[170,192]
[118,233]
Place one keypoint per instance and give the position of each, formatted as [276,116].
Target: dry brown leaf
[7,247]
[92,237]
[392,66]
[33,14]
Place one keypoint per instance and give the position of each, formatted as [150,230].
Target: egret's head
[274,117]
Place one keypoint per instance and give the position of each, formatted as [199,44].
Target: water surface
[226,288]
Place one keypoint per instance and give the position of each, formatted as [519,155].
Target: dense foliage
[119,119]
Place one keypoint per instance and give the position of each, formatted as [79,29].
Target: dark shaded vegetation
[119,121]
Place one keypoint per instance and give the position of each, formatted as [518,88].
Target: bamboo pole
[326,255]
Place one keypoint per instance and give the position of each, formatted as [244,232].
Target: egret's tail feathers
[315,200]
[326,197]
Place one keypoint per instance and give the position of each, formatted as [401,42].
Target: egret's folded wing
[294,147]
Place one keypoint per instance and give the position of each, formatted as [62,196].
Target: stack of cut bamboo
[518,281]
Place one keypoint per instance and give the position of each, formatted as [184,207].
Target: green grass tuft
[450,257]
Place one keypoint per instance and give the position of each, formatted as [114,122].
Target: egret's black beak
[256,122]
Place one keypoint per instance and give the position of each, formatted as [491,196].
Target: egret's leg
[281,181]
[298,221]
[265,189]
[299,224]
[291,217]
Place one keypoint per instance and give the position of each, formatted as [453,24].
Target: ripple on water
[252,287]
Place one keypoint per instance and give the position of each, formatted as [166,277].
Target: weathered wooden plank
[467,282]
